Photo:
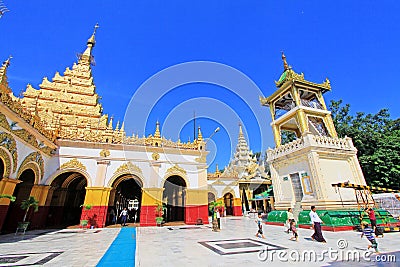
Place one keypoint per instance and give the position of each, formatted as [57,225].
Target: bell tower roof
[298,106]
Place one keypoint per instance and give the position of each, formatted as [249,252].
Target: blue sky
[140,43]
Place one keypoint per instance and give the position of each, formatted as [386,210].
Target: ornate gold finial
[157,133]
[6,63]
[92,39]
[285,65]
[199,135]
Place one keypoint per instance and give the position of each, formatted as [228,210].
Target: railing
[309,141]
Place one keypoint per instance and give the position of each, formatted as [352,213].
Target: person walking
[259,224]
[290,218]
[112,216]
[316,225]
[372,218]
[124,217]
[294,231]
[218,218]
[369,234]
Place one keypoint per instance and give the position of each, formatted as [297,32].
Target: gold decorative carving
[7,162]
[8,142]
[218,182]
[33,119]
[73,164]
[155,156]
[4,122]
[105,153]
[26,136]
[176,169]
[28,163]
[128,167]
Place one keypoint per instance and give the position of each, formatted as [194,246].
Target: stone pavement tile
[78,247]
[177,245]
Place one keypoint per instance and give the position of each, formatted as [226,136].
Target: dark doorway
[1,169]
[174,197]
[228,201]
[22,191]
[68,196]
[128,190]
[211,198]
[296,185]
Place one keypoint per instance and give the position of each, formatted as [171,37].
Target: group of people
[368,230]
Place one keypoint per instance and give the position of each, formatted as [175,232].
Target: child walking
[369,233]
[294,231]
[259,224]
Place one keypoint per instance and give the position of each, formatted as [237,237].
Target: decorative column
[101,172]
[150,198]
[7,187]
[154,175]
[40,193]
[196,206]
[97,198]
[237,207]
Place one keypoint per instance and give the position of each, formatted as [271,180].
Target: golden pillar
[97,198]
[302,119]
[277,134]
[7,187]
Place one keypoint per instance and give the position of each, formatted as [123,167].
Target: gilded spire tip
[285,64]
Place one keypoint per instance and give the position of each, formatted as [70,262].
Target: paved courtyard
[234,245]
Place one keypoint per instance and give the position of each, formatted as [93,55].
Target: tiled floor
[194,246]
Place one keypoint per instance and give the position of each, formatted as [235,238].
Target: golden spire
[157,132]
[122,127]
[199,135]
[3,75]
[240,130]
[116,127]
[217,172]
[87,55]
[285,65]
[110,125]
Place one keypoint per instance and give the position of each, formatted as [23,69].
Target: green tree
[377,139]
[27,204]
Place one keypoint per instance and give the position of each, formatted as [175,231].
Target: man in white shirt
[316,224]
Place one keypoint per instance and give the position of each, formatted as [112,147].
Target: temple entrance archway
[22,191]
[68,196]
[127,190]
[174,197]
[228,201]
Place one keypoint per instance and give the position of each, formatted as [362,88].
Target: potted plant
[12,198]
[26,205]
[159,213]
